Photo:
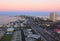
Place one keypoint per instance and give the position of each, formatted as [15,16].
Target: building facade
[53,16]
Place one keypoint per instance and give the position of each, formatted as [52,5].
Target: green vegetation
[33,31]
[6,37]
[44,26]
[39,39]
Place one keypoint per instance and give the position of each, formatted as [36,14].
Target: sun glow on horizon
[29,5]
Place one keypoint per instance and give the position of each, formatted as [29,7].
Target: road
[22,35]
[40,32]
[46,36]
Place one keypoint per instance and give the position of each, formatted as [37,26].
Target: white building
[28,30]
[34,36]
[22,25]
[16,25]
[10,30]
[1,25]
[21,18]
[8,25]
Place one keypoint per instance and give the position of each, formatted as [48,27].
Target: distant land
[7,16]
[7,19]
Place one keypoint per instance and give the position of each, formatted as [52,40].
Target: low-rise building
[1,25]
[9,30]
[34,36]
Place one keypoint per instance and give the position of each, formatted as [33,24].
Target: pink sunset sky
[29,5]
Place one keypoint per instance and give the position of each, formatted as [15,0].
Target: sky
[29,7]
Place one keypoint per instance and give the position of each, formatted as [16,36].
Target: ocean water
[30,13]
[7,19]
